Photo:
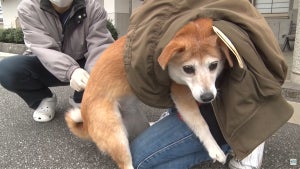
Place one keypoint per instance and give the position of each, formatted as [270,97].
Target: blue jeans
[169,144]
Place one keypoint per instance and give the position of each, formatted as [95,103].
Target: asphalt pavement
[25,143]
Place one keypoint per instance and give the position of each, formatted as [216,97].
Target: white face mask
[61,3]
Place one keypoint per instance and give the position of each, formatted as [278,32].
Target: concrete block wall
[12,48]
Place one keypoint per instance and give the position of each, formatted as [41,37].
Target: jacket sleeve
[39,41]
[99,37]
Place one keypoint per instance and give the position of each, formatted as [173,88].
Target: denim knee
[10,74]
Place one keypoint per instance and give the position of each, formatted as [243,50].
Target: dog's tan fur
[101,118]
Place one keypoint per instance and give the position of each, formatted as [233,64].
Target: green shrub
[11,35]
[19,36]
[15,35]
[112,29]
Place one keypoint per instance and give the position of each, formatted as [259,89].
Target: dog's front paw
[217,154]
[129,167]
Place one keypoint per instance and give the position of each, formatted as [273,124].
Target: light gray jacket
[57,46]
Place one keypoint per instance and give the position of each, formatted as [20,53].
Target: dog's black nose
[207,97]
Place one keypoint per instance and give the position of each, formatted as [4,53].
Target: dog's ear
[169,51]
[225,51]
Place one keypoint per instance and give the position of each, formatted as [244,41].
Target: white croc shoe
[46,110]
[252,161]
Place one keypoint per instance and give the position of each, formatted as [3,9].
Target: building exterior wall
[10,14]
[280,22]
[136,4]
[119,12]
[271,6]
[279,27]
[1,16]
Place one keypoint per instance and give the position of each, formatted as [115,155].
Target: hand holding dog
[79,79]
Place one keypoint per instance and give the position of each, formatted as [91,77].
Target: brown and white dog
[194,58]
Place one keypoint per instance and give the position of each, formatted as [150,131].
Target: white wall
[295,5]
[136,4]
[10,14]
[271,6]
[119,12]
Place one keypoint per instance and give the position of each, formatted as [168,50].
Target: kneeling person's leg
[169,143]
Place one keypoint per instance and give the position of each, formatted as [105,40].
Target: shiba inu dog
[194,58]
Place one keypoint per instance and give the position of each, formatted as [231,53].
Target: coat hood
[155,23]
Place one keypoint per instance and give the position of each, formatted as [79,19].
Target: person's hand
[79,79]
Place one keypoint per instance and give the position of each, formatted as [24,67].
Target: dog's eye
[189,69]
[213,66]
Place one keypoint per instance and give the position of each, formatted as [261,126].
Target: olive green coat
[249,106]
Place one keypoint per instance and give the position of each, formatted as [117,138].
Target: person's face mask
[61,3]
